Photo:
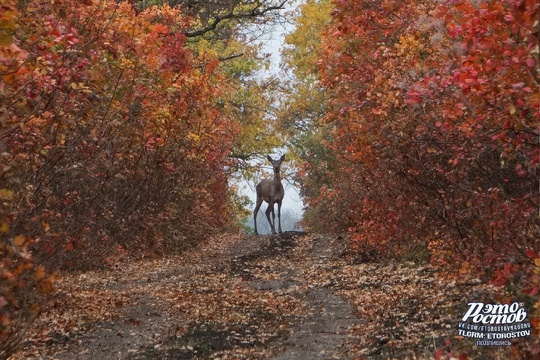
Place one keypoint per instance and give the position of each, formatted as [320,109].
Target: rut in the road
[294,296]
[235,298]
[325,330]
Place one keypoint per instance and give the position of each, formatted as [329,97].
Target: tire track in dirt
[245,298]
[326,328]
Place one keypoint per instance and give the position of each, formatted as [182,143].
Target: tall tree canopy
[120,125]
[431,123]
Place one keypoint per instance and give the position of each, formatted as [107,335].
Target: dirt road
[293,296]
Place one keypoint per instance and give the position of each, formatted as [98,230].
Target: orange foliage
[110,135]
[434,127]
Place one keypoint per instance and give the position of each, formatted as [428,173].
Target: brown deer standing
[271,191]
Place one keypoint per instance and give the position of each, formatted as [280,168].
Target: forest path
[293,296]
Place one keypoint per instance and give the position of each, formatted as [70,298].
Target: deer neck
[277,177]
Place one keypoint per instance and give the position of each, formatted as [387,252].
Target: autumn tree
[431,126]
[302,103]
[116,137]
[218,20]
[433,121]
[406,123]
[229,31]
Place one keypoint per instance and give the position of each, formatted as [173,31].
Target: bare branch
[230,57]
[253,13]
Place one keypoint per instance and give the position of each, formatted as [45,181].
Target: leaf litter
[294,296]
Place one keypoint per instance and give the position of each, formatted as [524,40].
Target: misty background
[292,206]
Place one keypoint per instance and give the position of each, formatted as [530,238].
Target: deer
[271,191]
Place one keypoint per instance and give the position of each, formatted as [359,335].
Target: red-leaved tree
[112,140]
[434,125]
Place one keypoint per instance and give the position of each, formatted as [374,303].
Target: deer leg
[270,209]
[273,219]
[279,216]
[257,206]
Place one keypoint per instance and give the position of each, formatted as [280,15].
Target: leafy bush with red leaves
[434,127]
[110,132]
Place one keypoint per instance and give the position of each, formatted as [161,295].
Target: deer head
[276,164]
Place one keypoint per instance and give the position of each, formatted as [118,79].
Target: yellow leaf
[6,194]
[537,261]
[4,227]
[40,273]
[19,240]
[46,285]
[6,39]
[194,137]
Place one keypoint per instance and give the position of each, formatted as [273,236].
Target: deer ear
[269,158]
[282,157]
